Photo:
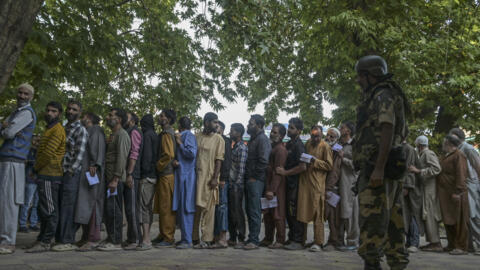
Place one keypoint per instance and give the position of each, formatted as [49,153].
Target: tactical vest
[18,147]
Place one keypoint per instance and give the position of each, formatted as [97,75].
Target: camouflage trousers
[381,223]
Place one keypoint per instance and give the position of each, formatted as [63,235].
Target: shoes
[437,247]
[328,247]
[88,246]
[202,245]
[315,248]
[109,247]
[277,245]
[5,250]
[293,246]
[64,247]
[35,228]
[184,245]
[346,248]
[265,243]
[131,246]
[23,230]
[143,247]
[239,245]
[412,249]
[250,246]
[372,266]
[458,252]
[157,240]
[38,247]
[231,243]
[163,244]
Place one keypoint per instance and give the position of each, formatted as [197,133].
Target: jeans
[413,235]
[253,195]
[221,211]
[68,200]
[31,200]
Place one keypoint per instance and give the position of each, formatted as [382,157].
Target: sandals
[458,252]
[4,250]
[218,245]
[202,245]
[87,247]
[143,247]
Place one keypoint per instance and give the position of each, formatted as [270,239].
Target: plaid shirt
[77,137]
[239,160]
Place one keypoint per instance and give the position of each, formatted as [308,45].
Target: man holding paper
[311,186]
[91,191]
[332,213]
[274,218]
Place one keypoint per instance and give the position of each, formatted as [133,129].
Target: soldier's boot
[372,266]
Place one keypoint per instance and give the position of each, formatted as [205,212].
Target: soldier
[381,129]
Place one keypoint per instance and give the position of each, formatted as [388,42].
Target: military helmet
[373,64]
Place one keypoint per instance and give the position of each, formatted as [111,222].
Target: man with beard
[274,218]
[91,197]
[428,170]
[211,150]
[166,180]
[293,168]
[311,185]
[473,185]
[236,216]
[184,188]
[17,132]
[332,212]
[48,167]
[221,210]
[348,199]
[257,162]
[77,138]
[116,158]
[148,179]
[130,195]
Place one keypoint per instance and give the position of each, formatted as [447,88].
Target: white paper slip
[337,147]
[306,158]
[334,199]
[269,203]
[111,194]
[92,180]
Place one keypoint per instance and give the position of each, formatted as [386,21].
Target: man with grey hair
[431,216]
[17,132]
[332,212]
[473,186]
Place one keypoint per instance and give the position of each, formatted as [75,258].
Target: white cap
[421,140]
[336,131]
[28,87]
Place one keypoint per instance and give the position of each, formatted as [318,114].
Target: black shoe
[35,228]
[372,266]
[23,230]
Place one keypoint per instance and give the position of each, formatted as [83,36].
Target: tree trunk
[16,21]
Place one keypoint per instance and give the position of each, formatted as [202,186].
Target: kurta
[429,169]
[452,180]
[348,178]
[90,197]
[275,182]
[412,203]
[211,147]
[185,186]
[311,189]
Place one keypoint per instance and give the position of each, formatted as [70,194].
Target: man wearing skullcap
[17,132]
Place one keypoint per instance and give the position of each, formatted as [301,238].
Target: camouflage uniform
[381,221]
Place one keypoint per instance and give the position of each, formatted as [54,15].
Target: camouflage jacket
[382,103]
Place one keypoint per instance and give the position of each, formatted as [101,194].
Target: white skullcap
[28,87]
[336,131]
[421,140]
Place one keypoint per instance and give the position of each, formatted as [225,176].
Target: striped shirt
[77,137]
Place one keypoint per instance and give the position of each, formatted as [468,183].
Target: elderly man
[473,185]
[17,132]
[332,212]
[431,216]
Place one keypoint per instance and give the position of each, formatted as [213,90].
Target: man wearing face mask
[90,202]
[17,132]
[311,186]
[48,167]
[77,138]
[116,158]
[257,162]
[274,218]
[332,212]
